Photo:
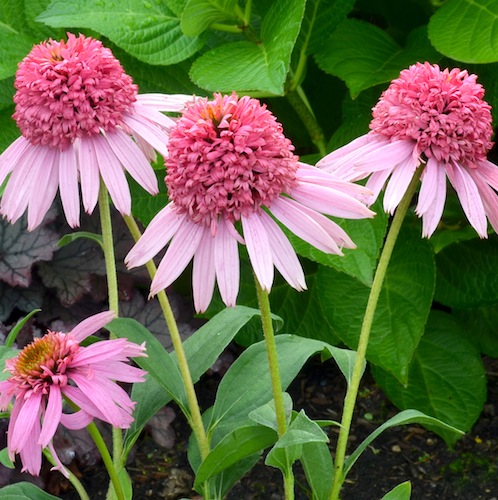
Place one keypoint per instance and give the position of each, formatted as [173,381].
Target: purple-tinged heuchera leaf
[20,249]
[70,271]
[24,299]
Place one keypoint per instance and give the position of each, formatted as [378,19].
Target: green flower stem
[299,102]
[112,287]
[195,418]
[108,246]
[106,457]
[352,391]
[72,478]
[271,350]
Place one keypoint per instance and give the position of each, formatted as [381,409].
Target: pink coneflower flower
[56,366]
[440,120]
[230,162]
[80,119]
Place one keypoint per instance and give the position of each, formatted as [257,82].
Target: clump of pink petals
[57,366]
[436,120]
[81,119]
[229,163]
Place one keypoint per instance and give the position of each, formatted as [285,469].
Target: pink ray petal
[119,371]
[149,113]
[165,102]
[52,416]
[180,252]
[376,182]
[133,160]
[58,464]
[149,132]
[386,156]
[432,196]
[226,262]
[113,175]
[489,198]
[92,324]
[299,221]
[11,156]
[29,415]
[203,273]
[284,256]
[259,250]
[79,398]
[42,199]
[68,185]
[155,237]
[77,420]
[398,184]
[31,452]
[89,173]
[330,201]
[469,198]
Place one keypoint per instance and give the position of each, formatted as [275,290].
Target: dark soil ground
[468,472]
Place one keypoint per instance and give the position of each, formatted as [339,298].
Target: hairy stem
[352,391]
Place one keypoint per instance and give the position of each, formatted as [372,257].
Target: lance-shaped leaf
[246,66]
[149,31]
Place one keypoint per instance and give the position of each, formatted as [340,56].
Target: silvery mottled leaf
[71,269]
[25,299]
[150,315]
[160,428]
[20,249]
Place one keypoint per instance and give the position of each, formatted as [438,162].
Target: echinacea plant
[240,197]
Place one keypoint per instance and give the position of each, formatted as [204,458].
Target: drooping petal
[180,252]
[58,464]
[203,272]
[89,173]
[284,256]
[68,185]
[31,452]
[77,420]
[133,160]
[386,156]
[469,198]
[398,184]
[155,237]
[165,102]
[91,325]
[42,199]
[29,415]
[113,175]
[149,113]
[432,196]
[51,417]
[259,250]
[149,132]
[299,220]
[226,262]
[489,197]
[11,156]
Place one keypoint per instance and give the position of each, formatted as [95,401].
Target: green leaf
[149,31]
[198,15]
[364,55]
[316,460]
[202,349]
[480,326]
[360,263]
[11,338]
[69,238]
[233,405]
[405,417]
[466,30]
[14,36]
[402,310]
[247,67]
[238,444]
[446,379]
[5,354]
[464,277]
[158,362]
[8,129]
[401,492]
[266,415]
[24,491]
[5,460]
[288,448]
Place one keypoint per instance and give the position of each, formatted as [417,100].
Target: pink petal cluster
[436,120]
[56,366]
[229,163]
[81,119]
